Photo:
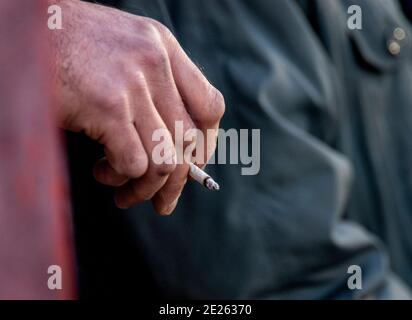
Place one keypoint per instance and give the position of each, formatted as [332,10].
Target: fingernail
[119,203]
[170,208]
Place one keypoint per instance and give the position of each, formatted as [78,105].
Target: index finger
[203,102]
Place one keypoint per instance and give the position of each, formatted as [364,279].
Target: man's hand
[119,77]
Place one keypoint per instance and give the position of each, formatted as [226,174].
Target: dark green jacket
[335,111]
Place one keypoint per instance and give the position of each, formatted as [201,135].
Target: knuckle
[135,165]
[155,57]
[216,104]
[164,162]
[214,107]
[146,29]
[151,50]
[112,102]
[164,169]
[113,105]
[161,28]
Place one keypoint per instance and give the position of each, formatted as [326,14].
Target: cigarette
[202,177]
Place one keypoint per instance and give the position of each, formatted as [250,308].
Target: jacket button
[394,48]
[399,34]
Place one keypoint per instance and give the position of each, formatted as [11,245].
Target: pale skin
[118,78]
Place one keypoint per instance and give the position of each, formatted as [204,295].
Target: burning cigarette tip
[203,178]
[211,184]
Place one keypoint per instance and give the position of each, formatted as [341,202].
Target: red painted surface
[34,213]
